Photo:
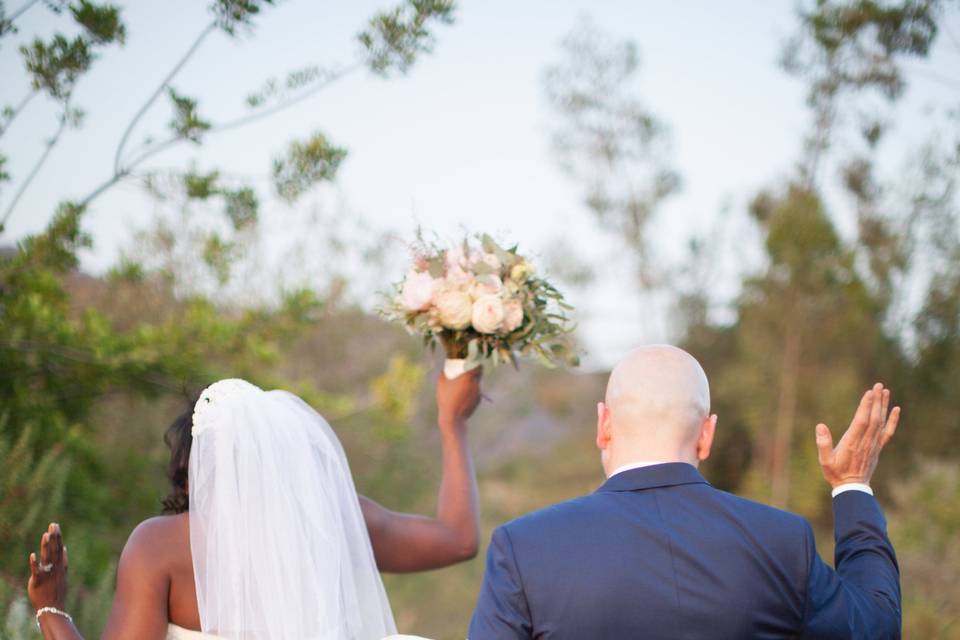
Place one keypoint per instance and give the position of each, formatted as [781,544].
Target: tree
[608,140]
[859,58]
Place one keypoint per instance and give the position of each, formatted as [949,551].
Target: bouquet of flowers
[482,303]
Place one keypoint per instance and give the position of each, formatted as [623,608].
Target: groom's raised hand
[855,457]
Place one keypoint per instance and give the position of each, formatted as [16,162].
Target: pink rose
[512,315]
[487,314]
[416,293]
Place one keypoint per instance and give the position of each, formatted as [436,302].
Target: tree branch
[64,119]
[285,104]
[156,148]
[19,12]
[210,28]
[16,111]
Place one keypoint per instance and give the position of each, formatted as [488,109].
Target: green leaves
[201,186]
[55,66]
[306,164]
[186,122]
[395,391]
[394,39]
[242,206]
[56,248]
[231,14]
[218,254]
[101,22]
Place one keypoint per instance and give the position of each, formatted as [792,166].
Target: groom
[656,552]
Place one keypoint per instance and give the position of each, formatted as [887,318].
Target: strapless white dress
[179,633]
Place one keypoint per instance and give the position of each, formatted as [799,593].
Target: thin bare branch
[19,12]
[154,149]
[16,111]
[210,28]
[51,143]
[285,104]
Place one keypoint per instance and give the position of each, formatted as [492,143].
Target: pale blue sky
[463,141]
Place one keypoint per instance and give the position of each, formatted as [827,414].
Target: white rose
[416,293]
[486,286]
[487,314]
[512,315]
[455,309]
[521,271]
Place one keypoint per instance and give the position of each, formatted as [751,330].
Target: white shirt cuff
[852,486]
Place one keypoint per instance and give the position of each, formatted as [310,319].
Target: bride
[269,538]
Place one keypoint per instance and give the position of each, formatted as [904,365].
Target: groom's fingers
[824,445]
[860,419]
[885,407]
[874,423]
[891,427]
[882,419]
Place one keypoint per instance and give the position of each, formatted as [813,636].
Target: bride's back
[158,548]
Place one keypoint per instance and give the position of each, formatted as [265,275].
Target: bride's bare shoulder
[158,541]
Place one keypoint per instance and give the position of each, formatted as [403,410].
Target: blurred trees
[609,140]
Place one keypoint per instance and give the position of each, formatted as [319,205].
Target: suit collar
[667,474]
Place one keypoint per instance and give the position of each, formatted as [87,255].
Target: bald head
[657,402]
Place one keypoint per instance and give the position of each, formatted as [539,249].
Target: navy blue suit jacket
[657,552]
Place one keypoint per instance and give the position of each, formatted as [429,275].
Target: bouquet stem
[453,345]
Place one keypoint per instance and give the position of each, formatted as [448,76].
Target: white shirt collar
[637,465]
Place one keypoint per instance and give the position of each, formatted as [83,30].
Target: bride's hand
[457,399]
[48,573]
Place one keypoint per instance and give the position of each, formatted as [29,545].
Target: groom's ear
[705,440]
[603,426]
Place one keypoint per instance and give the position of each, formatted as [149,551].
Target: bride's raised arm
[404,542]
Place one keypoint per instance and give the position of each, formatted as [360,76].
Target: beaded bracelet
[42,610]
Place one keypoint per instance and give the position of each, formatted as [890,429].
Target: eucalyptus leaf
[473,351]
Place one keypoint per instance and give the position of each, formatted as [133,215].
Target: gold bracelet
[42,610]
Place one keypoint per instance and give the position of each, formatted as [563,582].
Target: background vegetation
[92,368]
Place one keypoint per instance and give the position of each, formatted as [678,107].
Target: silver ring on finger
[46,568]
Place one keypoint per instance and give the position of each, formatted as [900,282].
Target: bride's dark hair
[179,439]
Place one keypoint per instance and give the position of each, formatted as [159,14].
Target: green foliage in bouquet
[483,303]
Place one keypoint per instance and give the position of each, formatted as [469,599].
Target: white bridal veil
[280,549]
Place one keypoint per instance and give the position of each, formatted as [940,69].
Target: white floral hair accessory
[204,412]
